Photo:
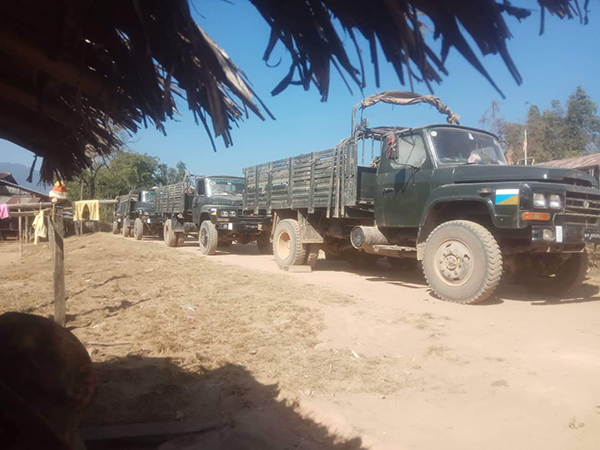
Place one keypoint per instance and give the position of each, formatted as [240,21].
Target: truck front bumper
[565,234]
[238,227]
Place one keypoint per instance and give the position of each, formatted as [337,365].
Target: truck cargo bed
[172,199]
[328,179]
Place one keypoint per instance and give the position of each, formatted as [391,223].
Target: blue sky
[551,65]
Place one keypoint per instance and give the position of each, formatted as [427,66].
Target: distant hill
[21,172]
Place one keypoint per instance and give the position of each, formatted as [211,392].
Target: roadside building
[586,163]
[11,193]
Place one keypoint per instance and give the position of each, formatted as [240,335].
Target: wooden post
[27,229]
[20,235]
[55,237]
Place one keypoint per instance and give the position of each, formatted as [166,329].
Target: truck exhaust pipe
[362,238]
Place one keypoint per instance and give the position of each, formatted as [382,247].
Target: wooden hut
[12,193]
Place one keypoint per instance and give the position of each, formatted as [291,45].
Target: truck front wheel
[138,229]
[208,238]
[462,262]
[170,236]
[115,227]
[287,248]
[125,228]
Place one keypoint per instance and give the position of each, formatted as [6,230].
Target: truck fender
[309,228]
[449,209]
[176,226]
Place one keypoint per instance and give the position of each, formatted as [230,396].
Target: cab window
[411,150]
[200,188]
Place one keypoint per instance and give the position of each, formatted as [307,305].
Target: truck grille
[581,209]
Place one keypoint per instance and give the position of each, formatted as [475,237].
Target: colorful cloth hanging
[4,211]
[39,225]
[93,207]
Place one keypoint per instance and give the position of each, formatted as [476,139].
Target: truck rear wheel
[263,242]
[138,229]
[208,238]
[462,262]
[569,274]
[169,235]
[115,227]
[287,248]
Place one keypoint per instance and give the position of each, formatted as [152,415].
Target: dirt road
[332,359]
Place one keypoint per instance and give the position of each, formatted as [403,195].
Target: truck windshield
[461,146]
[224,186]
[147,196]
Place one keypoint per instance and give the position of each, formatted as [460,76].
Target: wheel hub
[284,247]
[454,262]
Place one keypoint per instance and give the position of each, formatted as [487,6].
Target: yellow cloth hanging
[93,207]
[39,225]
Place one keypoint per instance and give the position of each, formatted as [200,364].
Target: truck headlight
[224,213]
[555,201]
[539,200]
[232,214]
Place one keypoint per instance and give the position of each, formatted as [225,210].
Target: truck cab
[540,218]
[217,213]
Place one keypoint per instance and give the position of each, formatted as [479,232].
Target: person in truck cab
[460,147]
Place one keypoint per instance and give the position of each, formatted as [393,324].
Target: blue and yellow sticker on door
[507,197]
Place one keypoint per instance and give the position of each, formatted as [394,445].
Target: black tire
[115,227]
[287,248]
[570,275]
[263,242]
[404,264]
[462,262]
[208,238]
[312,255]
[170,237]
[138,229]
[125,228]
[160,231]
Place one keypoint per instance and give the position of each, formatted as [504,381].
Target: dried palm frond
[307,29]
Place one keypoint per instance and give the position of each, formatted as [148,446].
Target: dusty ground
[332,359]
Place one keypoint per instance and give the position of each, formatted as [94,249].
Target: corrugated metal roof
[579,162]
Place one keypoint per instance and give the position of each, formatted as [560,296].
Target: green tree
[554,133]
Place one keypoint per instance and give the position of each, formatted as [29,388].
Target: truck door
[198,199]
[403,181]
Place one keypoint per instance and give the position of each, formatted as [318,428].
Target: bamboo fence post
[27,229]
[55,235]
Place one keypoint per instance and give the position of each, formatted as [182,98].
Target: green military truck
[124,214]
[135,215]
[439,194]
[209,207]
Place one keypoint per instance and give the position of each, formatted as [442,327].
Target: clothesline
[13,206]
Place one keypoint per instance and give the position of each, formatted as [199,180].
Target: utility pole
[525,146]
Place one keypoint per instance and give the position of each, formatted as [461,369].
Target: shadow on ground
[136,389]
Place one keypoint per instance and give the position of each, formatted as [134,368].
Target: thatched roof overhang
[71,71]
